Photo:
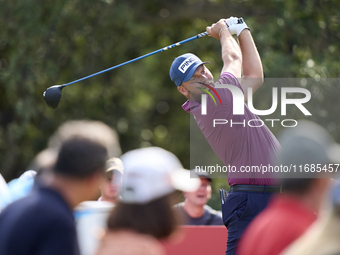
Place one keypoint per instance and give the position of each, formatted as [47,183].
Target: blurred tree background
[43,43]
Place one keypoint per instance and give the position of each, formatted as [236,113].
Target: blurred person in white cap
[290,214]
[110,188]
[194,209]
[144,215]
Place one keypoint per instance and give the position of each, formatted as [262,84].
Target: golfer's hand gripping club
[52,95]
[236,25]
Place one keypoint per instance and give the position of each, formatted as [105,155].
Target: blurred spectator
[110,188]
[42,222]
[288,215]
[91,216]
[144,215]
[44,160]
[194,209]
[322,238]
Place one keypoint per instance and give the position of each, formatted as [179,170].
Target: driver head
[52,96]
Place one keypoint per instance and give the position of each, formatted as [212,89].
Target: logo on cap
[183,67]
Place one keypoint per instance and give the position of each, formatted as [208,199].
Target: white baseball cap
[114,164]
[151,173]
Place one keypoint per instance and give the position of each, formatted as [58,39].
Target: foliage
[43,43]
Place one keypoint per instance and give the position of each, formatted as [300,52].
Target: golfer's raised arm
[251,62]
[252,65]
[231,53]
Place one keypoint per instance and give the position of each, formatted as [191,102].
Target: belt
[257,188]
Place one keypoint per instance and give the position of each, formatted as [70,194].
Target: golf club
[52,95]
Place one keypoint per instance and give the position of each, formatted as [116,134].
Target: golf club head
[52,95]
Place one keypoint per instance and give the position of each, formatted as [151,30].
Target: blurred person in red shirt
[322,238]
[290,214]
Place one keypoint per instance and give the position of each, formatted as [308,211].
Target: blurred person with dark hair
[291,213]
[322,238]
[90,215]
[194,209]
[110,188]
[43,222]
[144,215]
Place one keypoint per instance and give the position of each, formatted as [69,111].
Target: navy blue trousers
[238,210]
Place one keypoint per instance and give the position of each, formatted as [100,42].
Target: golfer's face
[201,76]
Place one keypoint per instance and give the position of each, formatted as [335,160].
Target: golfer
[235,144]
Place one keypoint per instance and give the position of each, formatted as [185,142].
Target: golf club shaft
[144,56]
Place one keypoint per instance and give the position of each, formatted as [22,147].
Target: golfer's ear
[182,90]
